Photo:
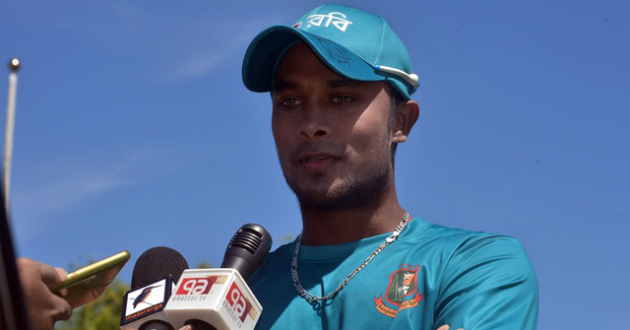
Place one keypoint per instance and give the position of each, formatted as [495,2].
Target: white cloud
[69,184]
[195,66]
[210,44]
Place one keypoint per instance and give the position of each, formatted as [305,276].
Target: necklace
[313,299]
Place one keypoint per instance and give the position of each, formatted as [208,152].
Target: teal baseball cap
[353,43]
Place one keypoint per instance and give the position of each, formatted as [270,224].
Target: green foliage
[204,265]
[286,238]
[102,314]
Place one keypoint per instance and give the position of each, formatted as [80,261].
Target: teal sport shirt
[431,276]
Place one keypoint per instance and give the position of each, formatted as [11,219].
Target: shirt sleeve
[489,283]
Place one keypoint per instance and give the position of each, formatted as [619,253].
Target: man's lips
[314,159]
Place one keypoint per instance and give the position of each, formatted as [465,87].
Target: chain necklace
[314,299]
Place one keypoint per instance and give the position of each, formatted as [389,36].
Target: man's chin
[322,198]
[338,194]
[329,199]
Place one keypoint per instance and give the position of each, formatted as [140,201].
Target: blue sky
[133,130]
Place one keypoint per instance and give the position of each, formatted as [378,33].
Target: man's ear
[407,113]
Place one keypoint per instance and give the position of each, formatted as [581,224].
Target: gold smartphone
[88,283]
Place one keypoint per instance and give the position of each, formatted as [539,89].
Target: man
[340,82]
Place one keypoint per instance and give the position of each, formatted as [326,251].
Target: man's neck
[325,227]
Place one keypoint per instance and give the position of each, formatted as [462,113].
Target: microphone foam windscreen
[155,264]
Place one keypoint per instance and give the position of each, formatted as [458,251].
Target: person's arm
[489,284]
[44,307]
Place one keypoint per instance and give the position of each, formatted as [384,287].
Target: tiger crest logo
[402,291]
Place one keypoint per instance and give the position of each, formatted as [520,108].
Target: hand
[446,327]
[44,307]
[190,327]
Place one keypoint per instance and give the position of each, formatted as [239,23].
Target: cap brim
[265,50]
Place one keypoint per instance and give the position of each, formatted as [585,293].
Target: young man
[340,82]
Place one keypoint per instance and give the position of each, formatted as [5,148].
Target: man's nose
[315,122]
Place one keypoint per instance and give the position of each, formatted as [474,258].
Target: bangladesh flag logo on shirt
[402,291]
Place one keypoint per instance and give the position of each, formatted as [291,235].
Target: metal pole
[14,66]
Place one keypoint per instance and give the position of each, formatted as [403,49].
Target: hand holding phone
[88,283]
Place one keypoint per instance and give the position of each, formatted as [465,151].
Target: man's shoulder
[280,258]
[431,232]
[479,274]
[461,244]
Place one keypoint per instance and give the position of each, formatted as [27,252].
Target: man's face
[333,135]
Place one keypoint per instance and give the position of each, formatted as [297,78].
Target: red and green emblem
[402,291]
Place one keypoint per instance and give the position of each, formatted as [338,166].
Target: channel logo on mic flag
[144,302]
[196,285]
[219,297]
[196,288]
[237,301]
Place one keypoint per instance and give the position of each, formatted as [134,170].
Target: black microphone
[248,249]
[219,299]
[154,264]
[154,276]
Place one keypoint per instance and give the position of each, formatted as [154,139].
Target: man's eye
[290,103]
[341,99]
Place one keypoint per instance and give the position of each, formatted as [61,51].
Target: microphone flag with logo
[154,276]
[219,299]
